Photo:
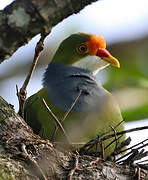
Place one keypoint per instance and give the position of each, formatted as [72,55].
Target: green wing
[36,114]
[80,127]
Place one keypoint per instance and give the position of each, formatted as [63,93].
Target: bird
[71,75]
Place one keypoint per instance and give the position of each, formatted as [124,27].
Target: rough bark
[24,155]
[23,19]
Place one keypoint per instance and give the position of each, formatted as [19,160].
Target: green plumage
[80,126]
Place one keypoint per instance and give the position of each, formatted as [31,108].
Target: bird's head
[79,48]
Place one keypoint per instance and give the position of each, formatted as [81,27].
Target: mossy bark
[24,155]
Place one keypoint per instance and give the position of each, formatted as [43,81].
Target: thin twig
[102,150]
[116,139]
[72,105]
[129,156]
[56,120]
[134,146]
[67,112]
[143,166]
[115,149]
[22,94]
[142,154]
[130,153]
[33,162]
[100,139]
[137,173]
[72,171]
[123,144]
[142,146]
[146,160]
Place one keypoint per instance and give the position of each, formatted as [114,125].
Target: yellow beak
[106,56]
[112,60]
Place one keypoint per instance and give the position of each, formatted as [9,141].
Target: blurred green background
[124,26]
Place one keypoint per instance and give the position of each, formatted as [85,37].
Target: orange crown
[95,43]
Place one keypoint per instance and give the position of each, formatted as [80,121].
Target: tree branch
[23,19]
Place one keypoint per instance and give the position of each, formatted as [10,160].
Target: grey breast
[63,84]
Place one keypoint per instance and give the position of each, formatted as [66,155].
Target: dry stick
[72,171]
[116,139]
[131,152]
[140,147]
[22,93]
[134,146]
[136,155]
[141,154]
[137,173]
[56,120]
[102,150]
[143,166]
[33,162]
[146,160]
[98,139]
[117,150]
[67,112]
[131,155]
[103,134]
[123,144]
[72,105]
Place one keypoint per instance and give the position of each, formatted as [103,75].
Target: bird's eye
[82,48]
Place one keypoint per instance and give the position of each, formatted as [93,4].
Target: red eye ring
[82,48]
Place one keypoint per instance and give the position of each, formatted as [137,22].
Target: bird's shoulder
[64,83]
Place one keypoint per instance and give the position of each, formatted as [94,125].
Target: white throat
[92,63]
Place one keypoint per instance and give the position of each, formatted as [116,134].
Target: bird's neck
[92,63]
